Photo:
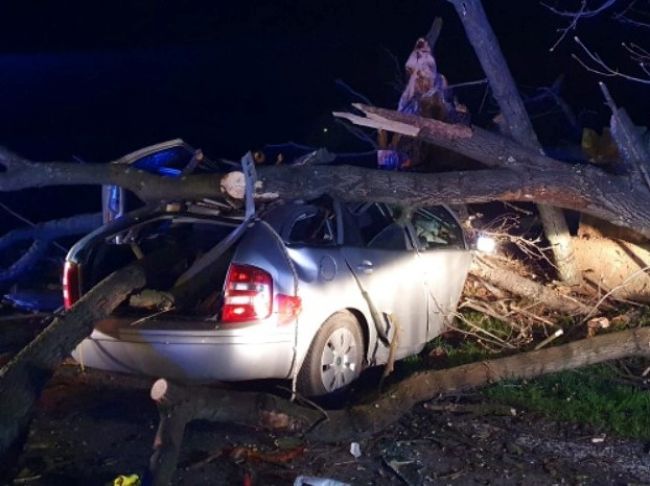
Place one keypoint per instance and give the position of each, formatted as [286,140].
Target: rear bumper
[195,356]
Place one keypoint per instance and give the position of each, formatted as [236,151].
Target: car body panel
[395,285]
[442,269]
[328,275]
[189,355]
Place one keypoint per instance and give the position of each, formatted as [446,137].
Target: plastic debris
[355,450]
[130,480]
[314,481]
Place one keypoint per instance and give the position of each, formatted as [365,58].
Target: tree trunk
[23,378]
[584,188]
[521,175]
[517,123]
[178,405]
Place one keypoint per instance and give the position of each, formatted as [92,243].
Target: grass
[591,395]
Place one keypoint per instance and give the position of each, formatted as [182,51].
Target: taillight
[70,284]
[248,294]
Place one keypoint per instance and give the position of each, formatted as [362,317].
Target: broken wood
[524,287]
[521,174]
[23,378]
[178,405]
[517,123]
[586,188]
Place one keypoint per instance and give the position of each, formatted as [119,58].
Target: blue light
[168,162]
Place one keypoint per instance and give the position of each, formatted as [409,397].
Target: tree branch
[180,405]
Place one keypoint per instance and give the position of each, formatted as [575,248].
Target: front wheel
[334,358]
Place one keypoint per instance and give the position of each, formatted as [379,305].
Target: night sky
[95,82]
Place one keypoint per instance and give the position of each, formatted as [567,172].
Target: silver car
[314,290]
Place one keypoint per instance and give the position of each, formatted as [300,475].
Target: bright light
[486,244]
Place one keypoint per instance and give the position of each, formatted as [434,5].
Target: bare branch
[582,13]
[603,69]
[625,16]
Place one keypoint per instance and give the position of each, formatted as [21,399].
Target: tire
[334,359]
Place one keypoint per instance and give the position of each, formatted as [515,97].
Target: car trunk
[195,301]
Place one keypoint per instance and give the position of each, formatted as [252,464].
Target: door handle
[365,266]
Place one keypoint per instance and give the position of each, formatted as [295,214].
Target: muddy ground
[93,426]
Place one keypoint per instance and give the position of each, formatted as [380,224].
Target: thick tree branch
[491,149]
[180,405]
[579,187]
[22,379]
[517,123]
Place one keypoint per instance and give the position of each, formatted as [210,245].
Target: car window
[373,225]
[435,227]
[314,226]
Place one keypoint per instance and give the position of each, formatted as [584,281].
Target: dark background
[96,80]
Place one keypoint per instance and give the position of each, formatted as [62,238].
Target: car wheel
[335,357]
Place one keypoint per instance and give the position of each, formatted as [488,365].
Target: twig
[603,69]
[490,312]
[575,17]
[496,339]
[624,17]
[347,88]
[357,133]
[614,289]
[468,83]
[550,339]
[532,315]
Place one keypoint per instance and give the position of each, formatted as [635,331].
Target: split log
[179,405]
[517,123]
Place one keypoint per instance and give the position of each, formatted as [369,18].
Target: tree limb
[179,405]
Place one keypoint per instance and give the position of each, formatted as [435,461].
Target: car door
[445,261]
[379,252]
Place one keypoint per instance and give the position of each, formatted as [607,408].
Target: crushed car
[312,290]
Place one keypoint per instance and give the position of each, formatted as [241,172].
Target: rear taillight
[248,294]
[70,284]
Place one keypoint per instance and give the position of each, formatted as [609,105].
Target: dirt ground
[93,426]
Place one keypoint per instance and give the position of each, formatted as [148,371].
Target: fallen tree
[516,172]
[23,378]
[180,405]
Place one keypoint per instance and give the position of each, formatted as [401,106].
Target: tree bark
[586,188]
[528,289]
[279,415]
[517,123]
[23,378]
[521,175]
